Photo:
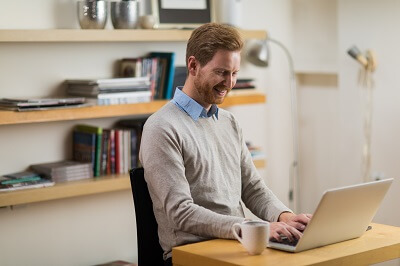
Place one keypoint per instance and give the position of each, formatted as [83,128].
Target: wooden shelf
[66,190]
[74,189]
[260,163]
[11,117]
[78,35]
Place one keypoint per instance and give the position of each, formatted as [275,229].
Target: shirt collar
[191,107]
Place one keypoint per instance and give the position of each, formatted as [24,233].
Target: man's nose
[229,81]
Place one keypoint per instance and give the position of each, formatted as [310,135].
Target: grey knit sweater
[197,173]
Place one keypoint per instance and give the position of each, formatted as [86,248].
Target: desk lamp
[258,53]
[368,63]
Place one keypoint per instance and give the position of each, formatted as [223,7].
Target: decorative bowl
[125,14]
[92,14]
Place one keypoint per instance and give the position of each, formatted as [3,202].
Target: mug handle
[235,226]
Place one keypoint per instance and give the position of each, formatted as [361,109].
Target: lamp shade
[258,53]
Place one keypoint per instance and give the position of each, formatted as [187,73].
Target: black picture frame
[182,17]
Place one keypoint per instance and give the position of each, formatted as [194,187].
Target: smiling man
[195,159]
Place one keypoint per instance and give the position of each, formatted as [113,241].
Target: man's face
[215,80]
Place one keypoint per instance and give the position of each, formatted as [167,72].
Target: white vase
[144,7]
[228,12]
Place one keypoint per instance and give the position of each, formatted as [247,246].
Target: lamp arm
[294,166]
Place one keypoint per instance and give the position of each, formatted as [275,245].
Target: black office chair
[150,252]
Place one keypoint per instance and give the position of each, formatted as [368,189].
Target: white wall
[315,59]
[371,25]
[315,36]
[331,104]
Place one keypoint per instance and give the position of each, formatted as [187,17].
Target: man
[195,159]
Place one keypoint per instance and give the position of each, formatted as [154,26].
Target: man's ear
[193,65]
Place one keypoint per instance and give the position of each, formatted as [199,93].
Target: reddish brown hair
[207,39]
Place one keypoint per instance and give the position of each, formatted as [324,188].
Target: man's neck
[193,93]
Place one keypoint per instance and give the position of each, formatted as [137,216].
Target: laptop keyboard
[286,241]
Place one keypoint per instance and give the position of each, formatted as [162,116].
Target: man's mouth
[221,91]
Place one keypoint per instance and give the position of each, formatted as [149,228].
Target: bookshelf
[74,189]
[78,35]
[106,183]
[66,190]
[11,117]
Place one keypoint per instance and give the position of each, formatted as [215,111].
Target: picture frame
[181,14]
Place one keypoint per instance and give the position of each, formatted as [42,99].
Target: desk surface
[379,244]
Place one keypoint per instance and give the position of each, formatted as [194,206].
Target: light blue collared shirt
[191,107]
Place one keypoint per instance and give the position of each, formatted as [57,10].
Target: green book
[99,132]
[20,180]
[19,177]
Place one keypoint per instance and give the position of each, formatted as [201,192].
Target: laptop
[342,214]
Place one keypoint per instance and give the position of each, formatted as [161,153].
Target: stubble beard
[206,91]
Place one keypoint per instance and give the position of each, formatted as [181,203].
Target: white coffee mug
[254,235]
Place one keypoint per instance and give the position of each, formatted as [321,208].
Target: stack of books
[64,170]
[40,104]
[244,83]
[23,180]
[111,91]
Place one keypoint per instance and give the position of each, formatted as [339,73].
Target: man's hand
[279,229]
[299,221]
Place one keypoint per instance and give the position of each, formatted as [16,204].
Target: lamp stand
[294,165]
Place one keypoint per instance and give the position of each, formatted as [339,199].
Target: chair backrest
[149,249]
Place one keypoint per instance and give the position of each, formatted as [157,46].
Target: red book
[118,140]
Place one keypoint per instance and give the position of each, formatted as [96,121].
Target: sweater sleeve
[255,194]
[162,159]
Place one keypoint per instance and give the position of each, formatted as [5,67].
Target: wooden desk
[379,244]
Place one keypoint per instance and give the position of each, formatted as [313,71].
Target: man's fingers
[299,226]
[297,234]
[279,230]
[302,218]
[292,233]
[276,237]
[288,234]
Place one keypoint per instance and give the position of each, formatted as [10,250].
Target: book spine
[133,148]
[104,152]
[139,98]
[167,76]
[126,149]
[98,154]
[98,131]
[27,185]
[170,76]
[153,77]
[20,180]
[118,146]
[111,169]
[84,145]
[138,72]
